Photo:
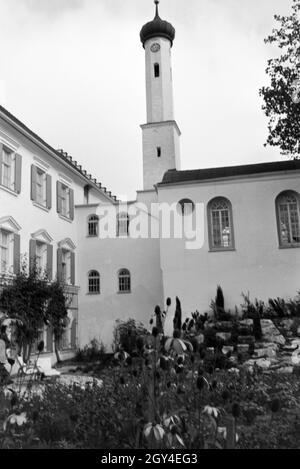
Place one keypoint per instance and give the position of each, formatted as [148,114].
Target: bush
[95,351]
[128,335]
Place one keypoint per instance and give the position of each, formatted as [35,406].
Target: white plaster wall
[159,90]
[30,217]
[166,136]
[257,265]
[98,313]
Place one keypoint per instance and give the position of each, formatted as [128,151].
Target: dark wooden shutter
[74,334]
[49,344]
[32,253]
[1,156]
[71,204]
[72,268]
[58,196]
[48,191]
[17,253]
[33,182]
[50,261]
[59,265]
[18,173]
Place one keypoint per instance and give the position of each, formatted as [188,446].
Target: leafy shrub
[95,351]
[127,334]
[280,307]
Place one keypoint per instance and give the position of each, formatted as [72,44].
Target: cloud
[74,73]
[51,8]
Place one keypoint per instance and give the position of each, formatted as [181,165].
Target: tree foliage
[35,303]
[282,97]
[56,312]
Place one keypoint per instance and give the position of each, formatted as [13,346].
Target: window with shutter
[48,191]
[65,201]
[8,168]
[17,253]
[40,187]
[5,252]
[18,173]
[50,262]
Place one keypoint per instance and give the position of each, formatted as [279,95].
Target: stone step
[246,339]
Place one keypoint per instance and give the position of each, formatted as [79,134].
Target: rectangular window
[220,228]
[65,201]
[8,169]
[41,189]
[4,251]
[41,256]
[66,267]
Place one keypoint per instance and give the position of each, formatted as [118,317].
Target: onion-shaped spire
[157,28]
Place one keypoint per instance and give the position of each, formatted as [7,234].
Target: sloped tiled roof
[174,177]
[61,154]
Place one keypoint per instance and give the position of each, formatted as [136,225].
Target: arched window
[93,225]
[124,281]
[94,282]
[220,224]
[288,218]
[122,224]
[156,70]
[185,207]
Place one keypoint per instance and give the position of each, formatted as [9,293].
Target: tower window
[156,70]
[158,149]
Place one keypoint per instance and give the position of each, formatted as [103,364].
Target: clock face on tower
[155,47]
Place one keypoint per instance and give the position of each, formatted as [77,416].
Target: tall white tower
[161,148]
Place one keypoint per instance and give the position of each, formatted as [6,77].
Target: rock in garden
[265,352]
[287,370]
[246,322]
[287,323]
[246,339]
[224,326]
[267,345]
[227,348]
[263,363]
[270,332]
[296,342]
[245,329]
[224,336]
[295,358]
[242,348]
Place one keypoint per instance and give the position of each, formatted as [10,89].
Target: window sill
[93,294]
[10,191]
[42,207]
[221,249]
[92,236]
[124,292]
[293,246]
[65,218]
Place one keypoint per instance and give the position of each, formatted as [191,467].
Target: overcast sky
[73,71]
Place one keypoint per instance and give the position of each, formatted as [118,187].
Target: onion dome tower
[161,134]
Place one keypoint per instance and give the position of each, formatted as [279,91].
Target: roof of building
[176,177]
[157,28]
[61,155]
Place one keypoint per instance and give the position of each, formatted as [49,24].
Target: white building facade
[245,220]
